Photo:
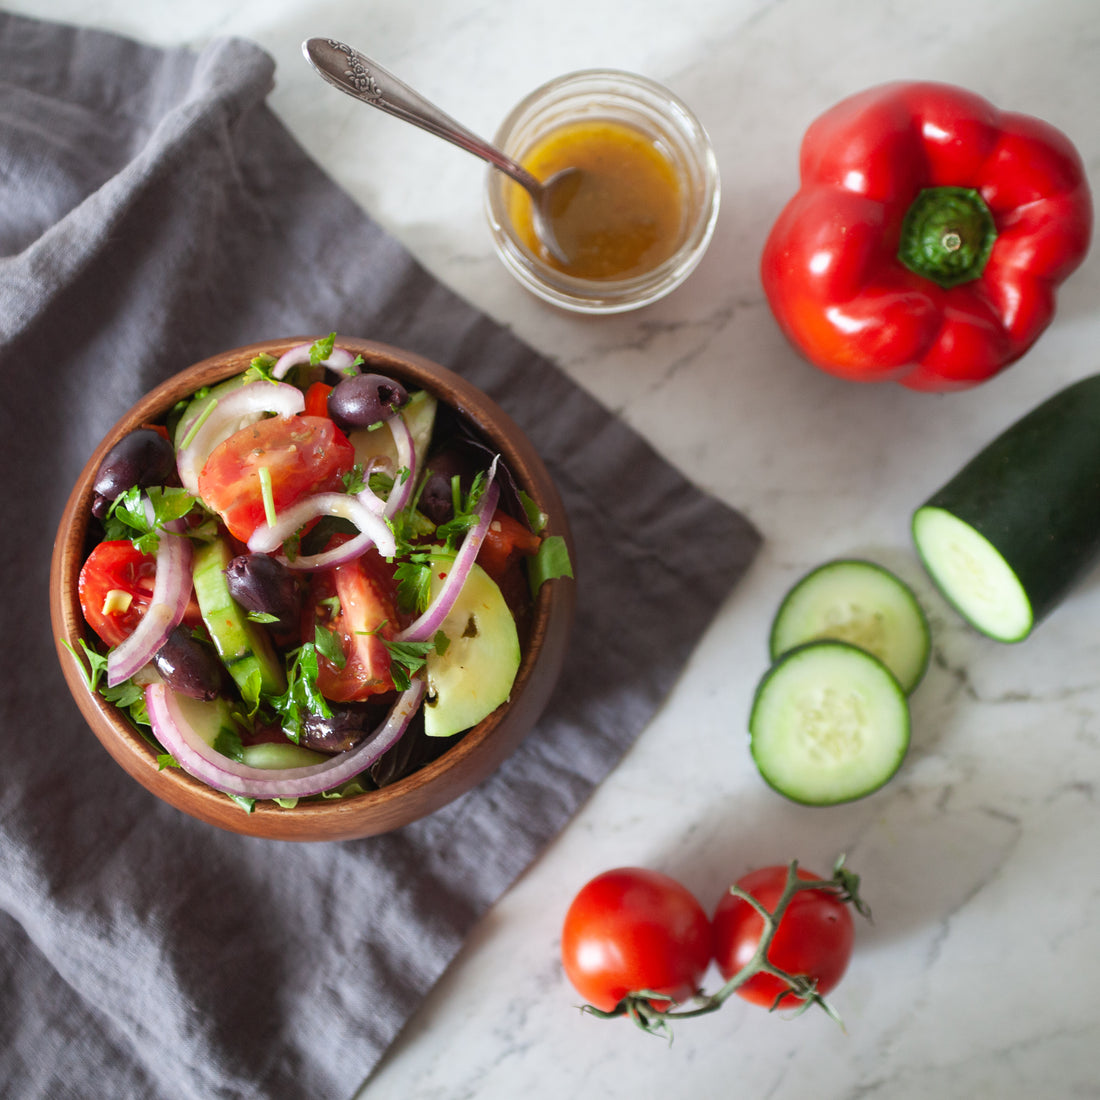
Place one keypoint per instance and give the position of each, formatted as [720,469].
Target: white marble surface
[980,977]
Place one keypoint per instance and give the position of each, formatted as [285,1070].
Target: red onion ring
[373,528]
[340,360]
[171,592]
[200,760]
[231,413]
[406,460]
[424,627]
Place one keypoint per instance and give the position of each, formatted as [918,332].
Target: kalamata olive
[188,666]
[260,583]
[365,399]
[344,730]
[437,498]
[142,457]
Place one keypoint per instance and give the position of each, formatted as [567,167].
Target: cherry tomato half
[630,930]
[365,599]
[506,541]
[303,454]
[115,586]
[814,937]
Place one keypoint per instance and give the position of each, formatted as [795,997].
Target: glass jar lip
[666,113]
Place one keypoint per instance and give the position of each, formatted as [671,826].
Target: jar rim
[665,114]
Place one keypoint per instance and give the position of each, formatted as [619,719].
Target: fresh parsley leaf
[166,760]
[551,560]
[262,617]
[464,518]
[228,743]
[259,370]
[128,514]
[96,663]
[414,582]
[536,519]
[127,696]
[354,480]
[406,658]
[302,696]
[251,690]
[321,349]
[328,645]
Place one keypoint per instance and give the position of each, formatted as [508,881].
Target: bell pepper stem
[947,235]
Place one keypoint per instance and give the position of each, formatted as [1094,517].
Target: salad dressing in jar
[626,214]
[646,200]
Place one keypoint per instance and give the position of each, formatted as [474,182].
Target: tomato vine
[640,1005]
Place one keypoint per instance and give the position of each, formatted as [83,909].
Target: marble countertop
[980,974]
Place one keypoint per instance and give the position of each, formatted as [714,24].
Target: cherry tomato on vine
[630,930]
[814,937]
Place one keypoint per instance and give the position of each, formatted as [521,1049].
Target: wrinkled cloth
[153,211]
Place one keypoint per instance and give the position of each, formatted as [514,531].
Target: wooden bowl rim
[478,753]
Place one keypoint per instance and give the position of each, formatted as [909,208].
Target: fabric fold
[154,211]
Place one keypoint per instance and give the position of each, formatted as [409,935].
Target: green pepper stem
[947,235]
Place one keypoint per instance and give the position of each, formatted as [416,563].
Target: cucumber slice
[829,724]
[972,575]
[244,647]
[419,415]
[274,756]
[851,600]
[475,673]
[1010,534]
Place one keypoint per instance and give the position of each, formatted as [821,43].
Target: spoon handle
[363,79]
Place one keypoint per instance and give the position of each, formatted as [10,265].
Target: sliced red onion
[423,628]
[231,413]
[340,360]
[199,759]
[406,460]
[374,530]
[171,592]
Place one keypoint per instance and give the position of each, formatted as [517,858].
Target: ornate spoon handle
[363,79]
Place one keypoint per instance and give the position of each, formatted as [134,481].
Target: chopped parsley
[127,517]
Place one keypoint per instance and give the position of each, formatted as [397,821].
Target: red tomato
[814,937]
[305,454]
[630,930]
[115,587]
[506,541]
[317,399]
[366,597]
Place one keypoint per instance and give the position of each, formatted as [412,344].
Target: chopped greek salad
[310,579]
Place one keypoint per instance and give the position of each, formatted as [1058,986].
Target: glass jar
[629,102]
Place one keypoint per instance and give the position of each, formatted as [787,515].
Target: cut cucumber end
[829,724]
[857,601]
[972,575]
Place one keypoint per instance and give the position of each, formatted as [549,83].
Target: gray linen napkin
[154,211]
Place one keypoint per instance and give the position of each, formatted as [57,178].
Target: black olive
[344,730]
[260,583]
[365,399]
[437,497]
[143,457]
[188,666]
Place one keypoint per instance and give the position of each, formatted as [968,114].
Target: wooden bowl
[472,757]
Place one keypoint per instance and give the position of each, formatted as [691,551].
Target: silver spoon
[366,80]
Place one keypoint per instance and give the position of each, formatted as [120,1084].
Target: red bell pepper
[927,238]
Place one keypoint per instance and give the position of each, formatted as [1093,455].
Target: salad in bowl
[312,588]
